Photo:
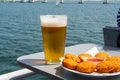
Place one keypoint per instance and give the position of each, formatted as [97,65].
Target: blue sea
[20,31]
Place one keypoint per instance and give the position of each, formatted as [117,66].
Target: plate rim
[94,74]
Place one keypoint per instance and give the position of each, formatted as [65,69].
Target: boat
[58,3]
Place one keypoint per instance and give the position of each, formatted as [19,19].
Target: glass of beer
[54,36]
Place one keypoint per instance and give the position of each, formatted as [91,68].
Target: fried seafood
[102,54]
[70,56]
[108,66]
[116,65]
[73,57]
[105,67]
[102,62]
[84,55]
[86,66]
[69,63]
[78,60]
[113,58]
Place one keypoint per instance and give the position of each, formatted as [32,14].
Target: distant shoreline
[42,1]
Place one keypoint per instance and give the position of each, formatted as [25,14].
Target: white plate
[94,74]
[92,51]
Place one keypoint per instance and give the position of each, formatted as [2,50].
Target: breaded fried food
[82,55]
[86,67]
[116,65]
[113,58]
[102,54]
[78,60]
[73,57]
[69,63]
[105,67]
[69,56]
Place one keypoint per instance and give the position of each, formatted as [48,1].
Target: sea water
[20,32]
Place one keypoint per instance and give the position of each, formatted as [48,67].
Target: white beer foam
[53,20]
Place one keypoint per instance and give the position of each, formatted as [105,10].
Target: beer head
[53,20]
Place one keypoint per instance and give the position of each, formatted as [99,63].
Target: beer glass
[54,36]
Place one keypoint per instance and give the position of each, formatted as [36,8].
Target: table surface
[35,62]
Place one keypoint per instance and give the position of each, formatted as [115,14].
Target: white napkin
[93,51]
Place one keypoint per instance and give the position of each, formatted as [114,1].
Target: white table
[56,72]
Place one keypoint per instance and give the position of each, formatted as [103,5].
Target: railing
[17,75]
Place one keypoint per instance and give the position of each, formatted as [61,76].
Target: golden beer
[54,42]
[54,36]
